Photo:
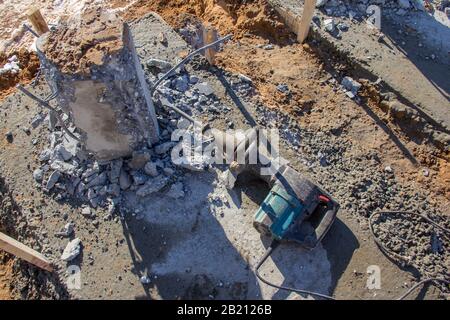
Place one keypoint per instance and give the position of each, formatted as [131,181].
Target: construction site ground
[203,246]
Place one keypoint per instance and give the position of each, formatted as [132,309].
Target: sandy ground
[185,231]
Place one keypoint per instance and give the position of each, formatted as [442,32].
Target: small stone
[138,160]
[72,250]
[9,137]
[176,191]
[67,230]
[38,175]
[329,25]
[164,147]
[63,153]
[204,88]
[283,88]
[145,280]
[342,26]
[64,167]
[115,168]
[124,180]
[183,123]
[139,178]
[99,180]
[244,78]
[268,47]
[193,79]
[351,85]
[181,84]
[45,155]
[86,211]
[37,120]
[404,4]
[388,169]
[163,39]
[158,63]
[168,171]
[150,169]
[152,186]
[425,172]
[52,180]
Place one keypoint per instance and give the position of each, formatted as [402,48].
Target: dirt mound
[241,18]
[84,41]
[5,276]
[29,65]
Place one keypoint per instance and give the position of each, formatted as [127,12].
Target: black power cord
[382,247]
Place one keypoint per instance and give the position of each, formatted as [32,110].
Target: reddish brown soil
[80,44]
[5,277]
[29,65]
[254,18]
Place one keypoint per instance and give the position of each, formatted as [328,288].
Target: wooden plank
[22,251]
[209,36]
[305,22]
[37,20]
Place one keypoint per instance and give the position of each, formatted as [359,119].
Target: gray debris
[152,186]
[351,86]
[67,230]
[144,280]
[138,160]
[158,63]
[86,211]
[245,78]
[182,83]
[64,167]
[283,88]
[404,4]
[37,120]
[176,191]
[99,180]
[70,145]
[150,169]
[115,168]
[183,123]
[342,26]
[321,3]
[63,153]
[164,147]
[38,175]
[193,79]
[168,171]
[113,189]
[45,155]
[204,88]
[52,180]
[72,250]
[268,47]
[124,180]
[329,25]
[139,178]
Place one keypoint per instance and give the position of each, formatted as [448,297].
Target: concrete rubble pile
[132,162]
[91,64]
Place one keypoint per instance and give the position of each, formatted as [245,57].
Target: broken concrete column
[91,62]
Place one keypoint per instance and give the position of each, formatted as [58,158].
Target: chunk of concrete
[152,186]
[103,87]
[72,250]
